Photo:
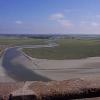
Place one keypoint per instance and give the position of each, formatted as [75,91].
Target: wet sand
[16,65]
[65,69]
[3,75]
[13,64]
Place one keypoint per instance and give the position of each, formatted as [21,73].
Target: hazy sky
[50,16]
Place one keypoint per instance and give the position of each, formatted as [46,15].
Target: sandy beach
[21,66]
[63,69]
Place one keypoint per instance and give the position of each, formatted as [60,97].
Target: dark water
[17,71]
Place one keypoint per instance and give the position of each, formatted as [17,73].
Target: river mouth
[18,71]
[21,67]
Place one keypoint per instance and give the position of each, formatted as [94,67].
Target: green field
[67,49]
[20,41]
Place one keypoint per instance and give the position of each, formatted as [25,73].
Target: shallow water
[18,71]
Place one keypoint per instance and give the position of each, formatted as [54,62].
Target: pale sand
[88,68]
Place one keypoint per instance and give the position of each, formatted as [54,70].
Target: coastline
[67,69]
[54,69]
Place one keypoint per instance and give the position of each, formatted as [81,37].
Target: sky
[50,16]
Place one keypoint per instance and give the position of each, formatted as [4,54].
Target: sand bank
[63,69]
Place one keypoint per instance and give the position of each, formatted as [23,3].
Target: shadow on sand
[18,72]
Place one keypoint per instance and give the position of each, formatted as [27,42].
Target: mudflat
[65,69]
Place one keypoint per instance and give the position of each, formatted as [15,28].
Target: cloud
[89,23]
[65,23]
[60,18]
[68,10]
[97,16]
[57,16]
[95,24]
[83,22]
[18,22]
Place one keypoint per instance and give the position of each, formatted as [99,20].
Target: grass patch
[67,49]
[21,41]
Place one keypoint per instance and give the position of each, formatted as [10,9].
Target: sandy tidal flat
[68,69]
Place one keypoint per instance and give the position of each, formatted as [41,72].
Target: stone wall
[54,90]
